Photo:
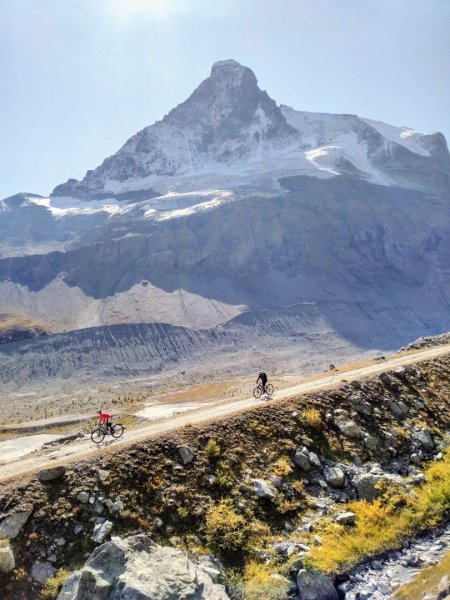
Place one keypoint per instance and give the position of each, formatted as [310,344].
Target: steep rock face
[137,569]
[231,131]
[226,120]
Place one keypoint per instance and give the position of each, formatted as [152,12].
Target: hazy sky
[79,77]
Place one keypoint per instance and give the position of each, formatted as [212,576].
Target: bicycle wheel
[98,435]
[117,430]
[257,392]
[269,389]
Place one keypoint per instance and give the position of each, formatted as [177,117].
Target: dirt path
[210,411]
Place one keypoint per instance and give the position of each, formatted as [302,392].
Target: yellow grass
[383,524]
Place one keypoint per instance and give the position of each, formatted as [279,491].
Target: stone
[137,569]
[117,506]
[101,530]
[301,459]
[363,407]
[349,428]
[186,454]
[346,518]
[315,586]
[315,460]
[7,562]
[263,489]
[385,378]
[400,372]
[158,522]
[61,541]
[78,528]
[368,484]
[103,475]
[51,474]
[425,439]
[335,476]
[11,525]
[371,442]
[83,497]
[42,571]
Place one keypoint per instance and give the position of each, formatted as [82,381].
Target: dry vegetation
[210,504]
[384,524]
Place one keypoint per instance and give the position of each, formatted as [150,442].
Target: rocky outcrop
[315,586]
[11,525]
[137,569]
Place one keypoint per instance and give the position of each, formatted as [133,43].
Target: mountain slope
[232,205]
[231,133]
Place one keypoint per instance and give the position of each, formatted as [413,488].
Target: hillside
[287,469]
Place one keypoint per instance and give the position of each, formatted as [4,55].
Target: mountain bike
[259,390]
[98,434]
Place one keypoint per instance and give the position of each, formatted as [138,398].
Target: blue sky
[79,77]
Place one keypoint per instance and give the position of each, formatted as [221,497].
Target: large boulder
[315,586]
[137,569]
[372,485]
[7,562]
[12,524]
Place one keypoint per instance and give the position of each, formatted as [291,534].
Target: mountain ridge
[231,129]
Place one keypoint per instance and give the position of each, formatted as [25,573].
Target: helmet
[99,411]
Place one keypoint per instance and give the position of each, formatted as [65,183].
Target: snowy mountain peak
[229,133]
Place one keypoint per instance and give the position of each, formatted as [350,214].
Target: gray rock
[301,459]
[51,474]
[315,586]
[101,530]
[12,524]
[371,442]
[315,460]
[400,372]
[424,437]
[83,497]
[397,407]
[186,454]
[368,484]
[263,489]
[42,571]
[117,506]
[7,562]
[138,569]
[335,476]
[349,428]
[346,518]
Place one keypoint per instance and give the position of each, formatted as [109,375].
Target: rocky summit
[231,219]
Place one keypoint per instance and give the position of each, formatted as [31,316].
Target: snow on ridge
[405,136]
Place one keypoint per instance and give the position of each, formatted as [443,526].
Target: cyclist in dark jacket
[263,377]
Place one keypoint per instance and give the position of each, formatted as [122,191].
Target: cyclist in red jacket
[105,417]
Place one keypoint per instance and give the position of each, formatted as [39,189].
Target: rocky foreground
[243,508]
